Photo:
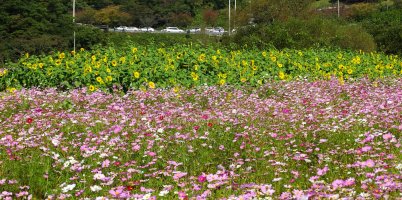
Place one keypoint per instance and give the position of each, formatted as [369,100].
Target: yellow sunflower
[281,75]
[58,62]
[91,88]
[114,63]
[62,55]
[136,74]
[151,85]
[201,58]
[99,79]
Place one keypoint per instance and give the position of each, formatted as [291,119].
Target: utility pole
[235,16]
[229,17]
[339,10]
[74,23]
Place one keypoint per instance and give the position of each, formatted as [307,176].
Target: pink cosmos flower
[323,171]
[152,154]
[196,187]
[337,184]
[387,136]
[296,174]
[182,195]
[6,193]
[179,175]
[323,140]
[105,163]
[119,193]
[299,195]
[349,182]
[202,178]
[117,129]
[146,190]
[136,147]
[267,190]
[366,148]
[21,194]
[221,147]
[313,178]
[368,163]
[286,195]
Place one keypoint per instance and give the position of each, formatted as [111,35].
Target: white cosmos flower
[147,196]
[276,179]
[399,166]
[99,176]
[68,188]
[163,193]
[95,188]
[55,142]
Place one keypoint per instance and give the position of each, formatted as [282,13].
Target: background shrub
[14,48]
[386,28]
[87,36]
[299,34]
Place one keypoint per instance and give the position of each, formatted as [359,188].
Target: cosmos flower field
[282,140]
[193,122]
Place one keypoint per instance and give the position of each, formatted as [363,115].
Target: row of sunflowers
[143,67]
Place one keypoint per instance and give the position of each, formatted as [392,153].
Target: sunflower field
[191,65]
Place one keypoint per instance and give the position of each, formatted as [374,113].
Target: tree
[86,16]
[354,1]
[33,26]
[267,11]
[180,19]
[210,16]
[111,15]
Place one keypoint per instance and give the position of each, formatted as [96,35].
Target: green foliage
[34,27]
[87,36]
[355,1]
[190,65]
[268,11]
[361,11]
[18,46]
[111,15]
[36,166]
[299,34]
[386,28]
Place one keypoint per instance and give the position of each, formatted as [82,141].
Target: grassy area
[320,4]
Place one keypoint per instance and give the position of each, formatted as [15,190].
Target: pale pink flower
[179,175]
[387,136]
[105,163]
[337,184]
[151,153]
[323,171]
